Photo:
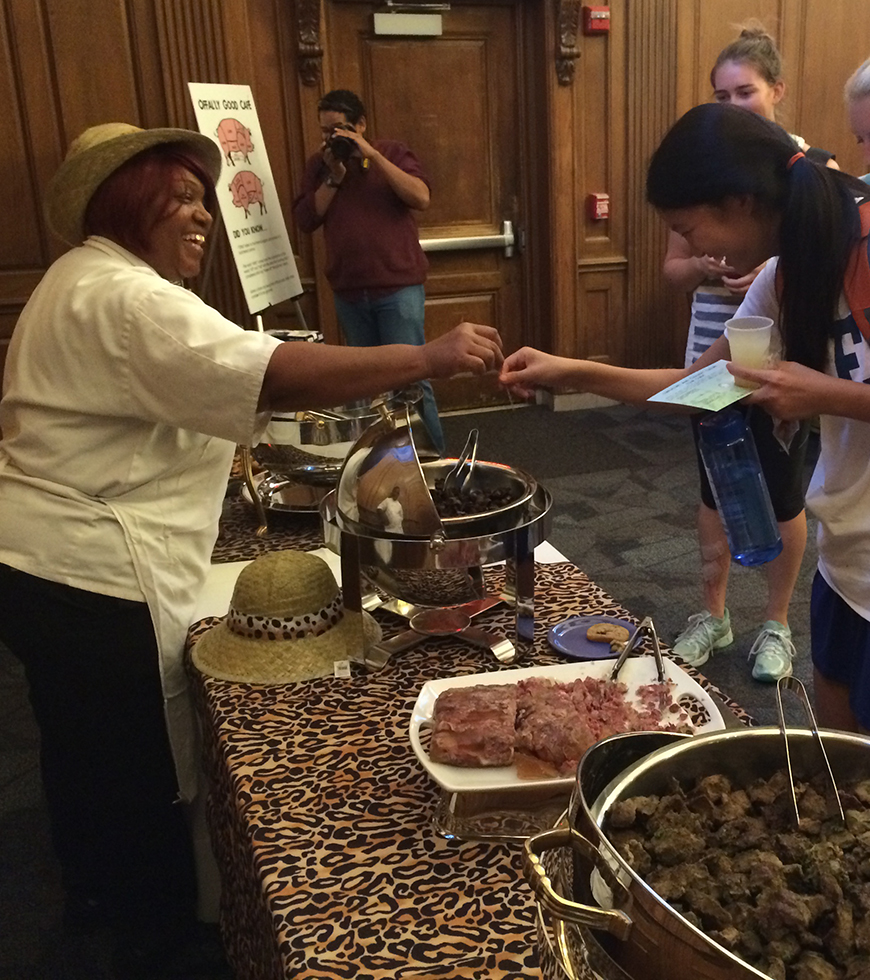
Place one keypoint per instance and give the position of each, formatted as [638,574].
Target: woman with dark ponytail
[733,184]
[748,73]
[722,154]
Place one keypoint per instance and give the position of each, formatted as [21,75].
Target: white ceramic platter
[636,672]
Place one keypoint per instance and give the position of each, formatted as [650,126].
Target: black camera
[340,146]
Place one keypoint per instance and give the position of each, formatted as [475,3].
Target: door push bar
[506,240]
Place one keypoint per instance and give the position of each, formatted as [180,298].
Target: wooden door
[456,101]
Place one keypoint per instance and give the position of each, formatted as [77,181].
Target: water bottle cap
[722,428]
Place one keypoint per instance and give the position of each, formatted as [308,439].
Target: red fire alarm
[596,20]
[598,207]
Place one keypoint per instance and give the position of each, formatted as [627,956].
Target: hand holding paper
[712,388]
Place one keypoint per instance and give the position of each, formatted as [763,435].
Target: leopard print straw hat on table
[286,623]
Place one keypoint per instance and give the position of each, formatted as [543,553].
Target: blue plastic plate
[569,637]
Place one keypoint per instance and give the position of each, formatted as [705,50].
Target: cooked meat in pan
[793,902]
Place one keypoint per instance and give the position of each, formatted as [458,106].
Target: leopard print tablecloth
[238,541]
[322,818]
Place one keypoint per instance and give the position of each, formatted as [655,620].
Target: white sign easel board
[247,194]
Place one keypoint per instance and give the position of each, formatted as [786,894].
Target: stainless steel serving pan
[642,936]
[486,476]
[439,571]
[311,446]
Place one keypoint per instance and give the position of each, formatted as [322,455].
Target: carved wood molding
[310,50]
[567,52]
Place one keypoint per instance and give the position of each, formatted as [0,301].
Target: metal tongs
[646,629]
[793,684]
[460,473]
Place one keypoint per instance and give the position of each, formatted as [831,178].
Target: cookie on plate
[610,633]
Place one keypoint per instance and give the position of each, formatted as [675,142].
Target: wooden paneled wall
[821,45]
[657,327]
[67,64]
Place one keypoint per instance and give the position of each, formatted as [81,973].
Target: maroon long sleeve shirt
[372,241]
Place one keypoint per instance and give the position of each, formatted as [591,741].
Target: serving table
[340,856]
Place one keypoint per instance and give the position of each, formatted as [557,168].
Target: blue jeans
[393,319]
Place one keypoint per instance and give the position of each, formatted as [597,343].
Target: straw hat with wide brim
[286,623]
[96,154]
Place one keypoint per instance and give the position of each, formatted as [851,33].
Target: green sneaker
[773,651]
[704,634]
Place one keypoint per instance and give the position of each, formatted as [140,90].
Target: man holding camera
[363,194]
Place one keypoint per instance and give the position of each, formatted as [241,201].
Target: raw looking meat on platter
[543,726]
[474,726]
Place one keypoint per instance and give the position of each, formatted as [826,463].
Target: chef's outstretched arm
[321,375]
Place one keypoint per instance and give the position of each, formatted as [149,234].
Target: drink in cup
[749,340]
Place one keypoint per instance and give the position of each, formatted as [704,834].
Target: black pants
[92,670]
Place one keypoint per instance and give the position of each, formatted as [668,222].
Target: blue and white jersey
[839,491]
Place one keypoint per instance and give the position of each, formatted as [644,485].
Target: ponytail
[715,152]
[820,224]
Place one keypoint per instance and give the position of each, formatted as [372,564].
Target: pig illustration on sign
[247,189]
[234,138]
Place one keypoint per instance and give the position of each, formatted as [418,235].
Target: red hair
[131,201]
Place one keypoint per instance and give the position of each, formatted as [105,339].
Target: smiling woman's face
[735,231]
[177,242]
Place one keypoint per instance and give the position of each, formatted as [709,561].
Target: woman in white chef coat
[124,398]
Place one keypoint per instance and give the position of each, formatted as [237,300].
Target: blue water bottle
[739,488]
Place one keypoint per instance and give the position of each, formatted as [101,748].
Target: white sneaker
[704,634]
[773,651]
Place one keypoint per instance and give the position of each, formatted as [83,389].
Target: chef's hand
[788,391]
[528,369]
[468,347]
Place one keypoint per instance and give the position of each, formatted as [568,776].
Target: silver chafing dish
[383,521]
[302,453]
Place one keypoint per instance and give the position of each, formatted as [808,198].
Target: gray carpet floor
[625,494]
[624,484]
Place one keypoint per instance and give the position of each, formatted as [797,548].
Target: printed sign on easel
[247,195]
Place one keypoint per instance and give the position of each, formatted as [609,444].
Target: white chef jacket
[124,398]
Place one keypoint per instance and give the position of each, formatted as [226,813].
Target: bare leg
[782,572]
[715,560]
[832,705]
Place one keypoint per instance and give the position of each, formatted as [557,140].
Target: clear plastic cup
[749,340]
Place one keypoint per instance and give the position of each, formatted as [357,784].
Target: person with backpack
[733,184]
